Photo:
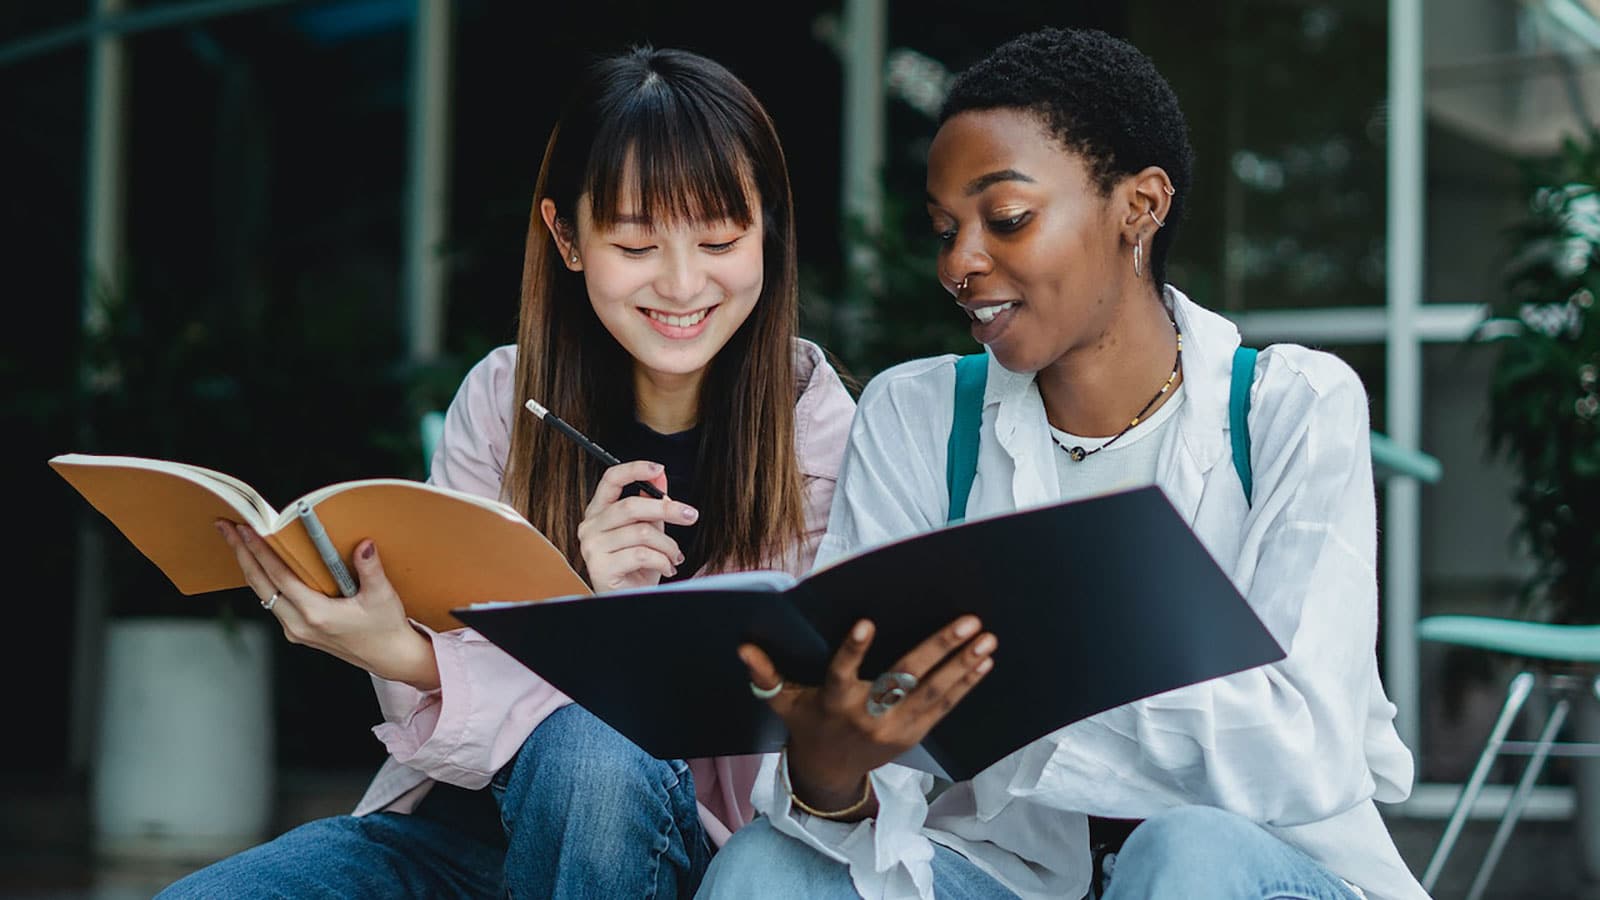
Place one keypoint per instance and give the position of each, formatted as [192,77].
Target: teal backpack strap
[961,456]
[1244,374]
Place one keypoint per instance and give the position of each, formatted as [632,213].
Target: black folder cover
[1096,603]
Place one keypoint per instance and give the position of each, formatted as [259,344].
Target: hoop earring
[1138,258]
[1152,214]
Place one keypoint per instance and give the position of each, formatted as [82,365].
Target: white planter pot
[183,768]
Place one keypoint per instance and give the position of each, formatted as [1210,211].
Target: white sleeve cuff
[888,855]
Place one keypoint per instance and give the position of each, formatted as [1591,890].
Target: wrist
[413,661]
[844,796]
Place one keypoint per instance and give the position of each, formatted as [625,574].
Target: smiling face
[672,292]
[1040,247]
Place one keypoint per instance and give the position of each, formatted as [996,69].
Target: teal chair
[432,426]
[1562,661]
[1388,461]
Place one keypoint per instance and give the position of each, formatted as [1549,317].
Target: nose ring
[963,284]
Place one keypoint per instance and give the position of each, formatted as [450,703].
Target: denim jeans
[1187,852]
[760,861]
[583,813]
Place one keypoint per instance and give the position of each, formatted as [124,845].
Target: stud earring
[574,257]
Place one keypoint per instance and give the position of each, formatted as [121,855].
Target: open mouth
[987,313]
[676,325]
[685,321]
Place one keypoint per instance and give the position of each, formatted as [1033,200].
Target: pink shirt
[488,703]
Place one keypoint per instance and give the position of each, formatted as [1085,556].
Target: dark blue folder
[1096,603]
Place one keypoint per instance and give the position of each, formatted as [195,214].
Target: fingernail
[246,534]
[221,529]
[966,628]
[860,631]
[984,645]
[985,666]
[689,512]
[368,550]
[679,560]
[656,469]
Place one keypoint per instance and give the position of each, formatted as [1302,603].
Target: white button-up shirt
[1303,746]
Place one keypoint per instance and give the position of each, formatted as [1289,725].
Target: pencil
[595,450]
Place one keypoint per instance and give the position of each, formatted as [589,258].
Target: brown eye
[1009,224]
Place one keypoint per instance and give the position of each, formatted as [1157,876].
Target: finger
[611,570]
[926,655]
[283,609]
[254,575]
[370,577]
[636,534]
[952,680]
[844,670]
[765,675]
[270,563]
[618,477]
[641,509]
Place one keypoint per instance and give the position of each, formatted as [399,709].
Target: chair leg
[1547,737]
[1516,695]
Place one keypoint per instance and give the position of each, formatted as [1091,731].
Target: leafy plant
[300,393]
[1545,388]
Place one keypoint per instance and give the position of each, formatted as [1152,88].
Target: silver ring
[887,690]
[272,601]
[766,693]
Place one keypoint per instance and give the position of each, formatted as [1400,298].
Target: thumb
[369,569]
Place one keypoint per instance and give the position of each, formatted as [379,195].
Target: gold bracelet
[836,814]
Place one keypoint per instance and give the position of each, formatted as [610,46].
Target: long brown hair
[699,147]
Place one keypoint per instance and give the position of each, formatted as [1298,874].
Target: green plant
[1545,388]
[288,396]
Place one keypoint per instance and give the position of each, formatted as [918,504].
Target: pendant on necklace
[1076,453]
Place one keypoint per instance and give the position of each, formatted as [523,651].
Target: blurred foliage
[286,400]
[1545,389]
[890,308]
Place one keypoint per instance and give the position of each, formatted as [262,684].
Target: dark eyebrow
[984,182]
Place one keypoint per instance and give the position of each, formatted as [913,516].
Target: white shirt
[1303,746]
[1128,462]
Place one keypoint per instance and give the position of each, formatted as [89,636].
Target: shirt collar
[1200,441]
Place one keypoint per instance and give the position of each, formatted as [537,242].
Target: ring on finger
[887,690]
[766,693]
[272,601]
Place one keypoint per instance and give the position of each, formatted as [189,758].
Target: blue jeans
[760,861]
[582,813]
[1190,851]
[1204,851]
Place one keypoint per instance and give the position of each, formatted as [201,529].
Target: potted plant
[1544,419]
[289,396]
[184,697]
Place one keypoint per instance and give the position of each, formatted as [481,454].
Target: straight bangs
[674,158]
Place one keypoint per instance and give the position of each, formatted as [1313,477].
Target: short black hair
[1100,97]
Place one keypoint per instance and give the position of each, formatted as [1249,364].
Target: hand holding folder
[1096,603]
